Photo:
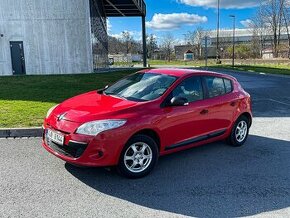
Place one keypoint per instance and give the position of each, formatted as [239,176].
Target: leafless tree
[167,46]
[127,39]
[115,45]
[271,13]
[286,18]
[151,45]
[256,45]
[195,39]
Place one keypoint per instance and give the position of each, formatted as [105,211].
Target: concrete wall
[56,35]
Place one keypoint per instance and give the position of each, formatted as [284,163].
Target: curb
[21,132]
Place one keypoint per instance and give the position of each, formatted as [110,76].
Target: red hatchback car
[145,115]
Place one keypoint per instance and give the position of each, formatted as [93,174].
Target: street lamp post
[234,38]
[218,34]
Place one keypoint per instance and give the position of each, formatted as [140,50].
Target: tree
[261,31]
[256,45]
[127,39]
[241,51]
[115,45]
[151,45]
[167,46]
[286,18]
[271,13]
[195,39]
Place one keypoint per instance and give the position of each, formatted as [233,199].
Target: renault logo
[61,117]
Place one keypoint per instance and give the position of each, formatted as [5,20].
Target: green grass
[270,69]
[179,63]
[24,100]
[282,68]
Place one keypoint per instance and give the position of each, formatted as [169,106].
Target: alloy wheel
[138,157]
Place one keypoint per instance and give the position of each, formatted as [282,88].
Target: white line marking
[270,99]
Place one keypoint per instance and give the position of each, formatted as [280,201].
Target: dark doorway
[17,58]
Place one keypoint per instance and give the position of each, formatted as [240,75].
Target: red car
[145,115]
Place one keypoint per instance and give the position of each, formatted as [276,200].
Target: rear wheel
[240,132]
[138,157]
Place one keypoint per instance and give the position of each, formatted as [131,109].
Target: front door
[183,125]
[17,58]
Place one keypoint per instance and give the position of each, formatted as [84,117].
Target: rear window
[218,86]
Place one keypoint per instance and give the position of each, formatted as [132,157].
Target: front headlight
[50,111]
[95,127]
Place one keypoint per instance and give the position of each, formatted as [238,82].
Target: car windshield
[141,86]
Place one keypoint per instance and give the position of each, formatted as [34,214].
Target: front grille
[73,149]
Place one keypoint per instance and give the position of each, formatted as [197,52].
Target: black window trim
[232,87]
[206,87]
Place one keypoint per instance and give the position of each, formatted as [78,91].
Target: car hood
[93,106]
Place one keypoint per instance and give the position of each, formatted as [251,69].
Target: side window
[216,86]
[228,85]
[190,88]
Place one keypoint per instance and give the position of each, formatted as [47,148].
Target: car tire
[139,157]
[240,132]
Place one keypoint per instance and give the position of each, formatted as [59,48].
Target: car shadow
[209,181]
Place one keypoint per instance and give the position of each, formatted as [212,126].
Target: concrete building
[59,36]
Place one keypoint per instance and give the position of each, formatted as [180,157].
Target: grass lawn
[271,69]
[265,68]
[180,63]
[24,100]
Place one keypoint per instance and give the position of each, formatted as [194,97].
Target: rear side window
[218,86]
[228,85]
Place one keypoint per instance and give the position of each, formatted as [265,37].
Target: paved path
[210,181]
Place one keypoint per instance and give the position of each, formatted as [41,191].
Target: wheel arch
[152,134]
[248,116]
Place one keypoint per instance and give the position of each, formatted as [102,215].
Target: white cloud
[247,23]
[174,21]
[223,3]
[137,35]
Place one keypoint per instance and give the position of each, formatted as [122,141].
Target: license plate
[55,137]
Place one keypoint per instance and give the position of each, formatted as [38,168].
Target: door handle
[203,112]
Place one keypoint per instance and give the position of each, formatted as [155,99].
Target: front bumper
[99,151]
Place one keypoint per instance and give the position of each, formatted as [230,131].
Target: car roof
[178,72]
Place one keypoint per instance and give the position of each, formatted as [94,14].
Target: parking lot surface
[209,181]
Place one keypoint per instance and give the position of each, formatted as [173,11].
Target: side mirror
[179,101]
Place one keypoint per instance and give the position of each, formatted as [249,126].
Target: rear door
[219,102]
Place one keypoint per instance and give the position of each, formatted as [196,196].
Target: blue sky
[180,16]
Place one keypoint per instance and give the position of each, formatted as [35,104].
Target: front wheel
[239,132]
[138,157]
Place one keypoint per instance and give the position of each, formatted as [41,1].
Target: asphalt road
[210,181]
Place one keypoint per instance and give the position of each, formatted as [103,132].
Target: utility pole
[218,35]
[205,50]
[234,38]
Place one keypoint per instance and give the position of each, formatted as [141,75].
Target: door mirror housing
[179,101]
